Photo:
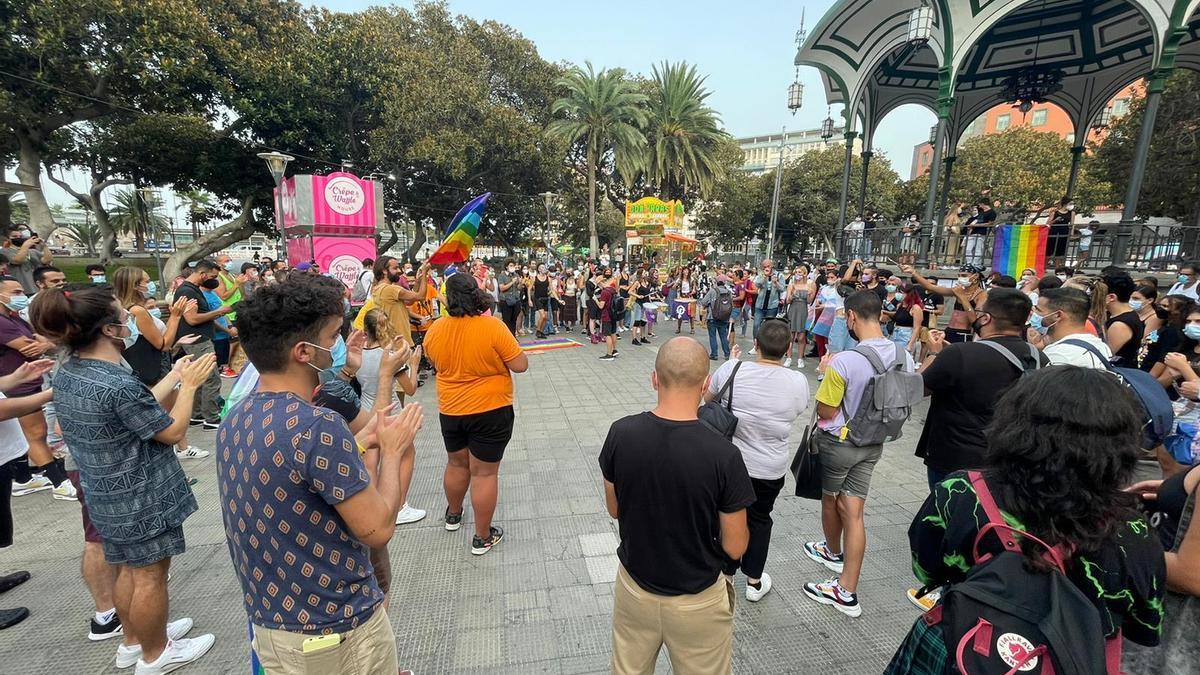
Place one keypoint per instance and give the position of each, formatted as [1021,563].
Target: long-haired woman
[475,357]
[120,434]
[1061,448]
[800,291]
[907,316]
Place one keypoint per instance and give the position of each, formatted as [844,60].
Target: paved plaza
[541,602]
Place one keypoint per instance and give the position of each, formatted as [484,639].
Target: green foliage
[683,134]
[130,214]
[1170,187]
[86,234]
[737,210]
[812,189]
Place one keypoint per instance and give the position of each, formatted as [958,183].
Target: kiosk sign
[345,196]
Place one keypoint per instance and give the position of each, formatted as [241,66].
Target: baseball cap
[304,267]
[721,278]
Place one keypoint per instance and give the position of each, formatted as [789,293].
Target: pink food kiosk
[331,219]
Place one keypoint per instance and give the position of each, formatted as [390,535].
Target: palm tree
[684,133]
[129,215]
[86,234]
[604,113]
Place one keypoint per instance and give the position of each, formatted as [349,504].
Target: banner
[652,217]
[1020,247]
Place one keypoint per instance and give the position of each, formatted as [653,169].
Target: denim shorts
[147,552]
[839,336]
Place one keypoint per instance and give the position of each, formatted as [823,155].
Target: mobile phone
[316,644]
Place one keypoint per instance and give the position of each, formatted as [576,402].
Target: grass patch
[74,268]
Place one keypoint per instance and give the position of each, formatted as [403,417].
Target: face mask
[155,312]
[151,288]
[1183,278]
[890,289]
[963,281]
[1061,276]
[866,278]
[230,267]
[1036,323]
[210,284]
[799,277]
[17,302]
[313,365]
[1137,305]
[98,279]
[338,353]
[130,339]
[977,325]
[830,282]
[1192,331]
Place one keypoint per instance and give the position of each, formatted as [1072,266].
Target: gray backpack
[887,400]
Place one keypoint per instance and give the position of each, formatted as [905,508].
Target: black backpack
[722,307]
[1005,618]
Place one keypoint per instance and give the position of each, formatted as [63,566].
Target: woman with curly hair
[1062,445]
[475,356]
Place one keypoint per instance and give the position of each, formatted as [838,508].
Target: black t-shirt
[193,292]
[1127,355]
[903,316]
[671,479]
[977,222]
[964,382]
[930,302]
[1166,340]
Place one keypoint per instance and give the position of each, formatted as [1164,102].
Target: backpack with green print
[1007,617]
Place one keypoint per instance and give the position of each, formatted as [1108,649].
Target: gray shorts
[142,553]
[845,468]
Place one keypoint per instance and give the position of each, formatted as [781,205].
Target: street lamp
[827,127]
[147,195]
[549,198]
[933,134]
[795,96]
[920,24]
[277,163]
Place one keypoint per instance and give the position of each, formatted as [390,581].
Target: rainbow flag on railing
[1019,247]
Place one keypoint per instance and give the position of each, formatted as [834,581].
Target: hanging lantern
[920,24]
[795,96]
[827,129]
[933,134]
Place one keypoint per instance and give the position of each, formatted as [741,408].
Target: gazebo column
[1076,158]
[945,193]
[841,231]
[862,183]
[1138,172]
[945,104]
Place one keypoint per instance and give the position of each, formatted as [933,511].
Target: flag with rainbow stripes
[1020,247]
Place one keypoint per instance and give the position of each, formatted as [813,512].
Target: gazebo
[961,57]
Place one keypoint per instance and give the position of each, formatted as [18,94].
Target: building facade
[1042,117]
[762,152]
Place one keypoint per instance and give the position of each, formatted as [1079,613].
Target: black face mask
[976,326]
[210,284]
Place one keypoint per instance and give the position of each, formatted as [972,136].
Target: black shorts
[485,434]
[608,327]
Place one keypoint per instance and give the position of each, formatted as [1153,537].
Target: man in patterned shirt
[301,504]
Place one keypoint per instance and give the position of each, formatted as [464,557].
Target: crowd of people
[1035,442]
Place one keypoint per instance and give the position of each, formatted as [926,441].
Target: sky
[746,49]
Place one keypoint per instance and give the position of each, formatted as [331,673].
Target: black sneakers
[11,581]
[609,357]
[12,617]
[453,521]
[481,546]
[104,631]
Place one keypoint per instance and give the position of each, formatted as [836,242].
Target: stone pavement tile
[602,569]
[574,601]
[479,649]
[567,572]
[533,642]
[581,636]
[604,543]
[592,664]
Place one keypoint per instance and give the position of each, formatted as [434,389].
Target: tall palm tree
[604,112]
[86,234]
[684,133]
[129,215]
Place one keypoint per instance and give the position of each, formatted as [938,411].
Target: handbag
[806,465]
[720,418]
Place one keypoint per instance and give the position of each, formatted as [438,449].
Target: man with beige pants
[679,492]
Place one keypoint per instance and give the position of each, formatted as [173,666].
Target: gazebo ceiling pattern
[861,49]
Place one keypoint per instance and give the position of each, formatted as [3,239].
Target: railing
[1148,248]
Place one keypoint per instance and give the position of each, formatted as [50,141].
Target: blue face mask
[890,288]
[231,267]
[155,312]
[1137,305]
[17,302]
[338,353]
[1183,278]
[151,288]
[1192,331]
[129,340]
[98,279]
[1035,322]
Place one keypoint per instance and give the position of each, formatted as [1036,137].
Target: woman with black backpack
[1073,564]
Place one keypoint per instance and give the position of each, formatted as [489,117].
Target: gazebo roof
[862,51]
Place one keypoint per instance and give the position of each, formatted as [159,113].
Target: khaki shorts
[697,629]
[845,468]
[366,650]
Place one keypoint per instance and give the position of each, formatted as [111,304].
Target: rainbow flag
[460,235]
[1019,247]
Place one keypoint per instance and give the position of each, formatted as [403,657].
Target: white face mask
[963,281]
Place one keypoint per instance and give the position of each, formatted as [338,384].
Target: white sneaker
[178,654]
[35,484]
[65,491]
[787,363]
[192,452]
[800,364]
[755,594]
[408,514]
[128,656]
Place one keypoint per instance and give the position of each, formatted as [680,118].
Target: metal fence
[1148,247]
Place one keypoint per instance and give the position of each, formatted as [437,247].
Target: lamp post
[549,198]
[147,196]
[277,163]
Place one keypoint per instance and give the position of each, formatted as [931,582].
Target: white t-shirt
[368,377]
[12,439]
[1192,291]
[766,400]
[1061,354]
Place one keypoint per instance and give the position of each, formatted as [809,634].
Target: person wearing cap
[969,298]
[709,303]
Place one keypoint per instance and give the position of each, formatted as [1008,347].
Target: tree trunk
[212,241]
[139,239]
[5,206]
[418,241]
[594,238]
[29,172]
